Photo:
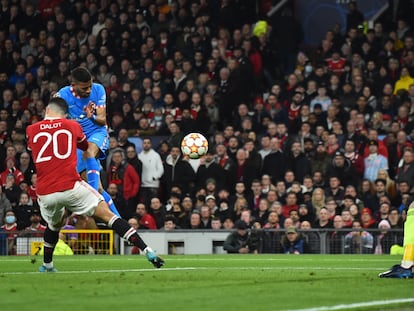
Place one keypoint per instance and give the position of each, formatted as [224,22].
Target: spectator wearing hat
[321,160]
[384,240]
[343,168]
[241,241]
[36,228]
[382,147]
[367,220]
[292,242]
[374,162]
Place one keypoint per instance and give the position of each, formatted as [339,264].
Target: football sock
[50,240]
[110,203]
[126,231]
[408,257]
[93,172]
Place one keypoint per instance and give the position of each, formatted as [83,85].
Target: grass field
[205,282]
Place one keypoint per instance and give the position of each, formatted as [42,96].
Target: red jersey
[53,143]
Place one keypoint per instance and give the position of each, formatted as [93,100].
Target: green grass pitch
[205,282]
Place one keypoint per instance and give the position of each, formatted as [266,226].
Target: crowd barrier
[106,242]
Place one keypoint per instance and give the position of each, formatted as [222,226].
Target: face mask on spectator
[10,219]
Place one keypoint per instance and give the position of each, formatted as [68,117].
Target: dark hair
[81,74]
[59,104]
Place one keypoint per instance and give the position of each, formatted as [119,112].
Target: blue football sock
[110,203]
[93,172]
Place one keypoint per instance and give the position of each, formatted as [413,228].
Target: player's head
[81,81]
[57,107]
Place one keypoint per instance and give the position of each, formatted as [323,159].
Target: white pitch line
[249,258]
[194,269]
[357,305]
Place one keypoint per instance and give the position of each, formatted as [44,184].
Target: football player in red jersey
[53,143]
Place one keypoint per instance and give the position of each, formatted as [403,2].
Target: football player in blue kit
[87,105]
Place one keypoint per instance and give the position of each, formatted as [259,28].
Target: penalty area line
[357,305]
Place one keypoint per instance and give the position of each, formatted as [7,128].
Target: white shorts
[81,200]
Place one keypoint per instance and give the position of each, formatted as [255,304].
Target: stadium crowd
[299,137]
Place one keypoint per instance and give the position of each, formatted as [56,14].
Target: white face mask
[308,68]
[214,43]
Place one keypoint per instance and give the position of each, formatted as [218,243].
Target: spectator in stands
[312,240]
[358,241]
[157,211]
[36,228]
[195,220]
[11,169]
[336,238]
[146,220]
[405,171]
[23,211]
[321,160]
[10,227]
[152,171]
[367,221]
[343,169]
[11,190]
[26,166]
[298,162]
[4,206]
[178,171]
[209,169]
[323,221]
[292,242]
[241,240]
[276,155]
[335,189]
[125,177]
[169,223]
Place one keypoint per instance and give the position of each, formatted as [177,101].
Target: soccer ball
[194,145]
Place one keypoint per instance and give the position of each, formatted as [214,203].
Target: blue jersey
[95,133]
[77,106]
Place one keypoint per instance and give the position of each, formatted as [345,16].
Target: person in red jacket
[125,177]
[11,169]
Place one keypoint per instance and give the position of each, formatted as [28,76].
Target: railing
[84,242]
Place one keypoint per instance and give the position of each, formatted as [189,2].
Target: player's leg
[97,145]
[408,257]
[91,203]
[54,217]
[404,270]
[122,227]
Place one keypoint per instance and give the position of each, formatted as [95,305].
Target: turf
[203,282]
